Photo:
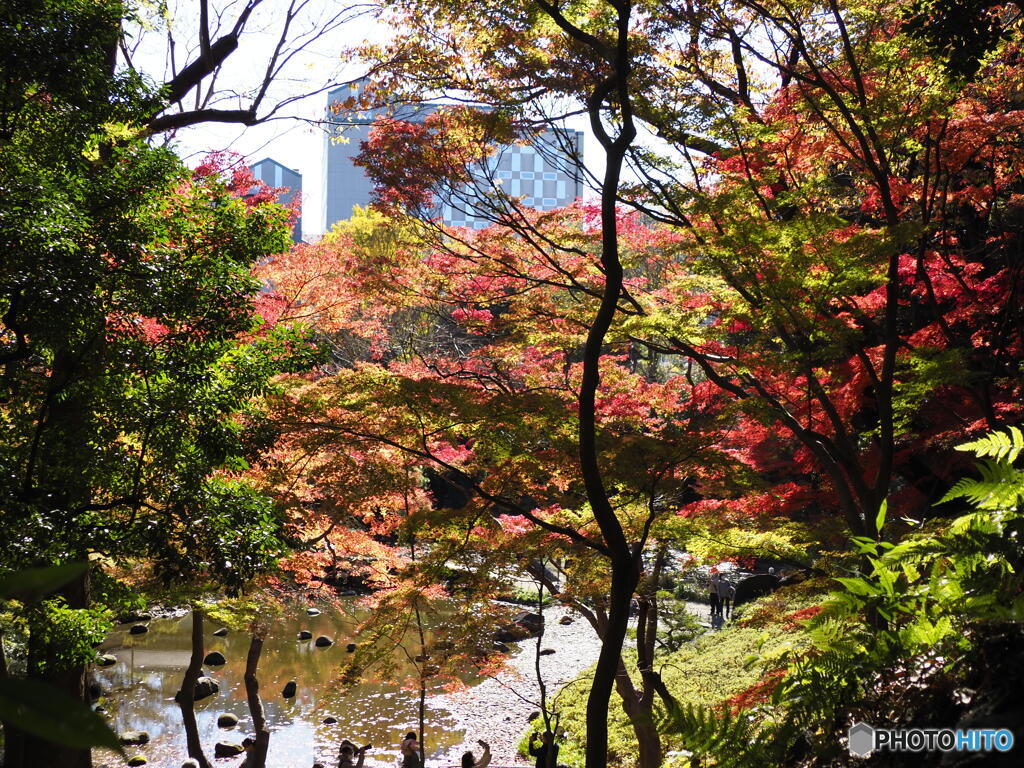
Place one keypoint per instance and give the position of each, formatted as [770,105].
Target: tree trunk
[258,756]
[639,708]
[549,757]
[624,582]
[624,558]
[422,668]
[186,696]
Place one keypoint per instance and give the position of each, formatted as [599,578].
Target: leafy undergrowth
[723,669]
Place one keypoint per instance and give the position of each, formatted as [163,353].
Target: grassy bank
[713,670]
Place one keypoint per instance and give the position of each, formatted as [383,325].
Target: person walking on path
[726,592]
[716,606]
[468,761]
[547,752]
[410,748]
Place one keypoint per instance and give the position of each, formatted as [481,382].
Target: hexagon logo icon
[861,737]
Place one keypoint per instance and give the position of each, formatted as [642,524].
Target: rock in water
[226,749]
[214,659]
[531,622]
[289,689]
[138,629]
[134,738]
[205,686]
[221,632]
[547,652]
[323,641]
[137,760]
[565,620]
[190,763]
[526,624]
[106,660]
[312,612]
[351,647]
[330,720]
[227,720]
[305,634]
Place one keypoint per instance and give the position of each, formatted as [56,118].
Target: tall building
[274,174]
[346,185]
[544,175]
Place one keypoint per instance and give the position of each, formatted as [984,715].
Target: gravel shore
[497,710]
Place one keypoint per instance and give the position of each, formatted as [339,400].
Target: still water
[139,693]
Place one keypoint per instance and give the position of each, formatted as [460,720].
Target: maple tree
[840,236]
[860,273]
[456,426]
[602,48]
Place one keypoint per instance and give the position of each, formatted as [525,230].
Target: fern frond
[997,445]
[1000,487]
[732,739]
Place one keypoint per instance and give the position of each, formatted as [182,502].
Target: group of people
[351,756]
[411,758]
[721,594]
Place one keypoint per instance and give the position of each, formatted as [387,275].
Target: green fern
[734,740]
[1001,446]
[1001,486]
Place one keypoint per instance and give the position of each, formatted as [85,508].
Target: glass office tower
[544,176]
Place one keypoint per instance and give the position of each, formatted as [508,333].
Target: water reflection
[140,691]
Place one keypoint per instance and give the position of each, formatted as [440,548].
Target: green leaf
[886,579]
[911,572]
[880,519]
[52,715]
[857,586]
[865,545]
[32,584]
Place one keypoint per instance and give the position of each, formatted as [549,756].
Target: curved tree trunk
[625,559]
[639,708]
[258,756]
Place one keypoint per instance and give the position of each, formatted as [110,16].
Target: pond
[139,693]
